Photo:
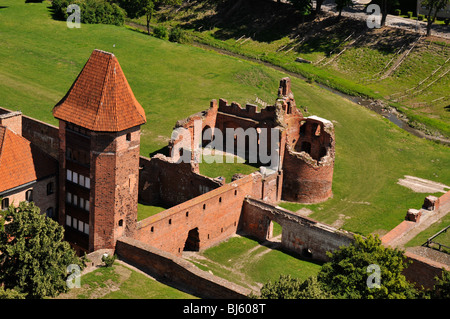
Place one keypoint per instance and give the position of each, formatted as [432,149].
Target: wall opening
[193,241]
[306,147]
[274,231]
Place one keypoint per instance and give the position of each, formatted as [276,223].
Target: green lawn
[243,261]
[41,58]
[121,282]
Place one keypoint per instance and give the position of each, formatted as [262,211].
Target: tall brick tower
[99,132]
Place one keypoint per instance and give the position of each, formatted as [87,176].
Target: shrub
[397,12]
[447,21]
[409,14]
[109,260]
[420,17]
[178,35]
[92,11]
[160,32]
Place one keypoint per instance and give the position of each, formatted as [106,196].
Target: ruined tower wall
[309,161]
[161,181]
[215,215]
[300,235]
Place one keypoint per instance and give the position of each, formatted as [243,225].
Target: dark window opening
[128,137]
[306,147]
[121,222]
[50,188]
[49,212]
[307,252]
[29,195]
[192,241]
[323,152]
[5,203]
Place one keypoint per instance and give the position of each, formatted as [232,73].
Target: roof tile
[101,99]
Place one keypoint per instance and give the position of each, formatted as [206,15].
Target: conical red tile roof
[101,99]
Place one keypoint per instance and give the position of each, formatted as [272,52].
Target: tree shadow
[262,20]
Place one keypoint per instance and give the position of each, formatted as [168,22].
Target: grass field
[351,67]
[40,59]
[121,282]
[247,263]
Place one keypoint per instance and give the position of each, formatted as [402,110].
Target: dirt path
[241,263]
[420,185]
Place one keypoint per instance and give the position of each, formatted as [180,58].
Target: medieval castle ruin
[89,176]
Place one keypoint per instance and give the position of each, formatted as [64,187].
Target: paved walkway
[358,12]
[406,231]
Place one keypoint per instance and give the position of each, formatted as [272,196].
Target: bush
[160,32]
[409,14]
[92,11]
[397,12]
[109,260]
[420,17]
[178,35]
[447,21]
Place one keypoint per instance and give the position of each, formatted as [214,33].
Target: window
[69,175]
[80,226]
[87,182]
[50,188]
[75,200]
[86,205]
[121,222]
[69,198]
[75,177]
[5,203]
[81,203]
[29,195]
[86,228]
[49,212]
[128,137]
[81,180]
[68,220]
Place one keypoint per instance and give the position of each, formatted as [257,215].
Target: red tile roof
[21,162]
[101,99]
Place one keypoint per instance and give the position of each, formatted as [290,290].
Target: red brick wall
[305,182]
[298,233]
[161,181]
[114,187]
[181,273]
[216,215]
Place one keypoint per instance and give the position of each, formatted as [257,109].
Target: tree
[441,289]
[341,4]
[287,287]
[34,258]
[433,7]
[303,6]
[385,7]
[139,8]
[353,267]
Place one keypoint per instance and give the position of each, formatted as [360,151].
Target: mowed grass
[245,262]
[40,59]
[121,282]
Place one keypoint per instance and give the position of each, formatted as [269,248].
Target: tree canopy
[34,257]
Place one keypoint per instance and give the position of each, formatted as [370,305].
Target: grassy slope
[281,45]
[172,81]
